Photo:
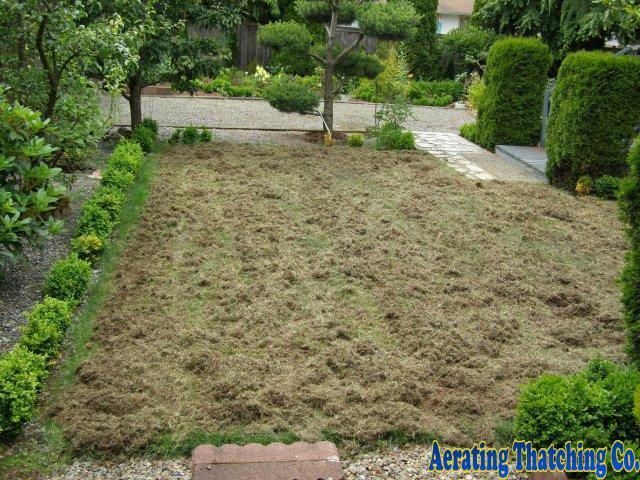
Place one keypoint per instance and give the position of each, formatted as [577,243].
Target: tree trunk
[52,97]
[327,112]
[135,102]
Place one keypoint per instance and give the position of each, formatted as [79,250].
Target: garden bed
[340,293]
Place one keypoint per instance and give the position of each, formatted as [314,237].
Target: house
[453,14]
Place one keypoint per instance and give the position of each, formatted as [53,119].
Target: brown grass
[345,291]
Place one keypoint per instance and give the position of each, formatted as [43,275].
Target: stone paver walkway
[469,159]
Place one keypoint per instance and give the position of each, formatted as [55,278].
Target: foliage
[45,328]
[118,178]
[394,113]
[145,137]
[205,136]
[629,204]
[392,137]
[440,93]
[475,91]
[465,48]
[365,90]
[470,132]
[511,105]
[27,185]
[564,26]
[291,63]
[150,123]
[88,247]
[607,187]
[319,11]
[395,21]
[593,116]
[95,221]
[232,83]
[422,50]
[584,185]
[68,279]
[289,96]
[190,135]
[286,36]
[355,140]
[127,155]
[21,374]
[176,136]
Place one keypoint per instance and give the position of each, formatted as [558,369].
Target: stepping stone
[277,461]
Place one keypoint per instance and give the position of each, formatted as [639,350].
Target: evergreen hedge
[595,108]
[511,108]
[421,51]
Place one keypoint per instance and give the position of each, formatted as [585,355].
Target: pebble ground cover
[343,294]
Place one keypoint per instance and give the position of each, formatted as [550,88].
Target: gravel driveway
[218,112]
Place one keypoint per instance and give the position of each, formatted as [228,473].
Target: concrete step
[534,159]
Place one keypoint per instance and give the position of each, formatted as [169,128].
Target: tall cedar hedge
[421,52]
[630,214]
[511,108]
[594,110]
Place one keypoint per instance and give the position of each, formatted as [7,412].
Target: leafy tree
[395,20]
[564,25]
[27,191]
[421,52]
[166,50]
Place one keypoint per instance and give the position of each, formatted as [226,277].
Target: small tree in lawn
[392,20]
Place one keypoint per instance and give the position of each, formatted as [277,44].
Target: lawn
[340,293]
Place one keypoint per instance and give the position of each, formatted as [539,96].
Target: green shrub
[292,63]
[21,373]
[470,132]
[515,80]
[45,328]
[621,385]
[629,205]
[88,247]
[464,48]
[206,135]
[390,137]
[190,135]
[109,199]
[555,410]
[606,187]
[150,123]
[118,178]
[475,91]
[593,116]
[289,96]
[320,11]
[68,279]
[291,36]
[440,93]
[422,50]
[355,140]
[241,91]
[145,137]
[95,221]
[584,185]
[127,156]
[366,90]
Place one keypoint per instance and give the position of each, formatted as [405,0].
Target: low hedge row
[23,369]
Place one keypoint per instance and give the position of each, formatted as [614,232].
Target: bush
[190,135]
[27,185]
[289,96]
[127,156]
[435,93]
[21,373]
[475,91]
[464,48]
[366,90]
[292,63]
[95,221]
[629,204]
[470,132]
[422,51]
[593,116]
[176,137]
[45,328]
[145,137]
[515,80]
[68,279]
[355,140]
[595,405]
[88,247]
[291,36]
[606,187]
[390,137]
[109,199]
[389,21]
[206,136]
[119,179]
[584,185]
[150,123]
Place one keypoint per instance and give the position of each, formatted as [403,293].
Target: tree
[395,20]
[421,52]
[166,50]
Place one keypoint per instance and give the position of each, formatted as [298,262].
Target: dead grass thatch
[345,291]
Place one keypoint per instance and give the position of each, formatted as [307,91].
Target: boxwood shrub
[21,373]
[46,326]
[511,107]
[68,279]
[123,180]
[593,115]
[95,221]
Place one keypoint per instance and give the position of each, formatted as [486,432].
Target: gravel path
[394,464]
[230,113]
[21,284]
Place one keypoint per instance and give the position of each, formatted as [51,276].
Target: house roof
[458,7]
